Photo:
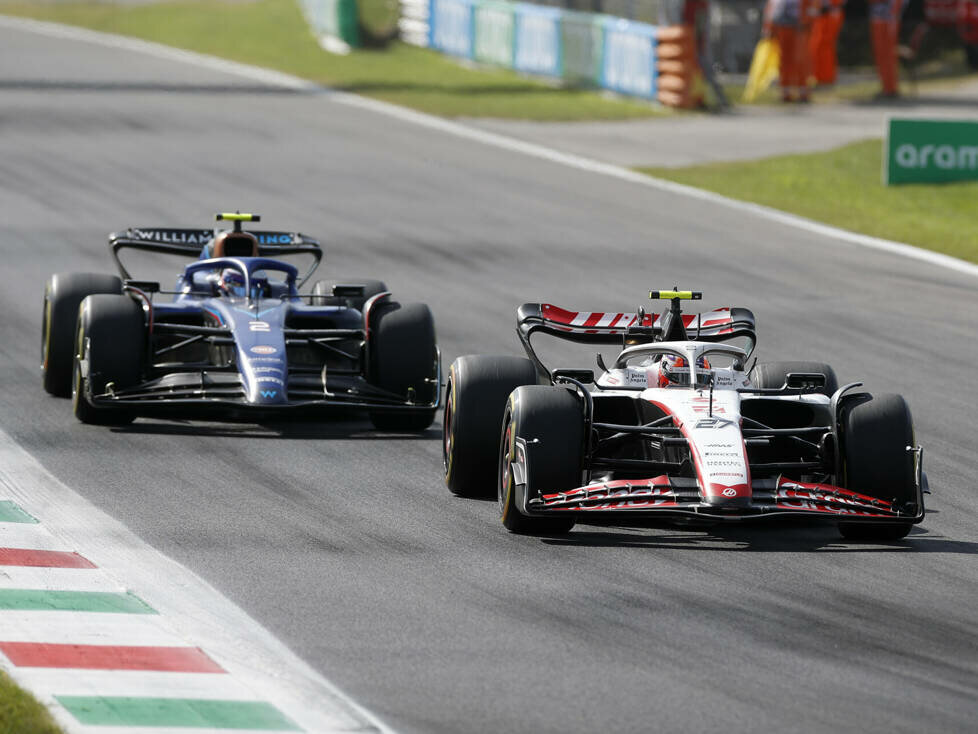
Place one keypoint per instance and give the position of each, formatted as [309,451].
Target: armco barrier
[538,40]
[452,27]
[628,63]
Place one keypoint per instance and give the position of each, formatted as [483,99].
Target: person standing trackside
[824,40]
[789,21]
[885,29]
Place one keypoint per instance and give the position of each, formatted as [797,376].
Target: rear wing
[594,327]
[189,242]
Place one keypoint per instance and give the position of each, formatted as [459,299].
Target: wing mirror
[805,380]
[585,377]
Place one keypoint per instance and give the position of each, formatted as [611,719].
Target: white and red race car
[676,427]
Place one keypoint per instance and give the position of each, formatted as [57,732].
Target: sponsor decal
[274,238]
[273,380]
[930,151]
[276,360]
[636,377]
[174,236]
[266,369]
[612,380]
[269,393]
[707,423]
[263,349]
[258,326]
[729,492]
[702,405]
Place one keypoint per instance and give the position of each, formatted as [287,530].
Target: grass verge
[20,713]
[842,187]
[273,34]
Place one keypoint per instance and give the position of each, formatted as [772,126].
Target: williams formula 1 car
[676,427]
[236,339]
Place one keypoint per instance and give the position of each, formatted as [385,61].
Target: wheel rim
[505,462]
[447,426]
[46,333]
[76,376]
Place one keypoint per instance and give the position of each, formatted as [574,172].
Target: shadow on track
[67,85]
[783,539]
[339,429]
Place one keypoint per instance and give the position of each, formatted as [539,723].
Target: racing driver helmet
[674,370]
[232,282]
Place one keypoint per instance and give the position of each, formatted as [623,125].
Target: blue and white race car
[237,340]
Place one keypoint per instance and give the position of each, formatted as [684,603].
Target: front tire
[551,421]
[475,400]
[110,341]
[876,431]
[403,356]
[63,294]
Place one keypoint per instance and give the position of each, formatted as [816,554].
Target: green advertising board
[494,26]
[930,151]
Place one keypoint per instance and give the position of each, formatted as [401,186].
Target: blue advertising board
[538,40]
[628,58]
[451,27]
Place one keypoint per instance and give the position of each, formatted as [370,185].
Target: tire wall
[354,22]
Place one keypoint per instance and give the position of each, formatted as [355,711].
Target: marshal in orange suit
[884,16]
[790,22]
[824,40]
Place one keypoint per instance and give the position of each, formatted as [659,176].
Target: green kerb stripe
[73,601]
[11,512]
[120,711]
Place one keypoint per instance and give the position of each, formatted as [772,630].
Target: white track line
[88,628]
[51,579]
[487,138]
[260,667]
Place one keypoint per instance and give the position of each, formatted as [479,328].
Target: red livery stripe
[109,657]
[42,558]
[593,319]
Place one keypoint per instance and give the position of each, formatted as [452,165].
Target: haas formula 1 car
[236,339]
[676,427]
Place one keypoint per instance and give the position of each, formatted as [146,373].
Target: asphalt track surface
[346,544]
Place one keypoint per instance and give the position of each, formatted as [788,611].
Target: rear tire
[322,292]
[111,337]
[63,295]
[771,375]
[403,355]
[552,419]
[475,400]
[875,434]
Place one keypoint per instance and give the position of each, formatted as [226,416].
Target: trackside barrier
[537,44]
[628,62]
[495,24]
[451,27]
[624,56]
[582,44]
[333,19]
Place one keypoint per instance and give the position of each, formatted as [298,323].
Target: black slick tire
[876,431]
[550,419]
[475,400]
[772,375]
[111,340]
[63,294]
[403,357]
[322,292]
